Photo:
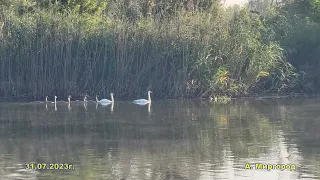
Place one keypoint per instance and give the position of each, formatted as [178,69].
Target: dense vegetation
[176,48]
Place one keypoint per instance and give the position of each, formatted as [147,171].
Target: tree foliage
[78,6]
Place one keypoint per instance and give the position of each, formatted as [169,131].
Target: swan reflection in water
[149,109]
[105,105]
[85,105]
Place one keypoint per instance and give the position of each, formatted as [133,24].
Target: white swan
[69,99]
[85,99]
[143,101]
[47,100]
[55,100]
[105,101]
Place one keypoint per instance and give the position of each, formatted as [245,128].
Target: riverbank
[187,54]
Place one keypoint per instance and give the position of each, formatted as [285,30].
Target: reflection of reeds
[169,119]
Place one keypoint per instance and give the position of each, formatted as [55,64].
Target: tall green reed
[191,54]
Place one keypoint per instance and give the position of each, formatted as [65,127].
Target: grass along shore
[191,54]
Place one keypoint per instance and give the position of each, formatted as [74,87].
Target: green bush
[191,54]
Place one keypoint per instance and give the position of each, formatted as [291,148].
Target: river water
[171,139]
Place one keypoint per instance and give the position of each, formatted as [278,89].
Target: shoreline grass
[191,54]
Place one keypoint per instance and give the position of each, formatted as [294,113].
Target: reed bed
[191,54]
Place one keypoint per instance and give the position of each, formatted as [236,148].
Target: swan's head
[97,96]
[111,94]
[47,97]
[69,97]
[149,91]
[55,97]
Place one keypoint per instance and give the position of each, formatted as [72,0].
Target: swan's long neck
[69,101]
[55,100]
[112,99]
[85,99]
[46,99]
[97,99]
[149,97]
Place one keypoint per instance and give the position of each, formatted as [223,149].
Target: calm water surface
[183,140]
